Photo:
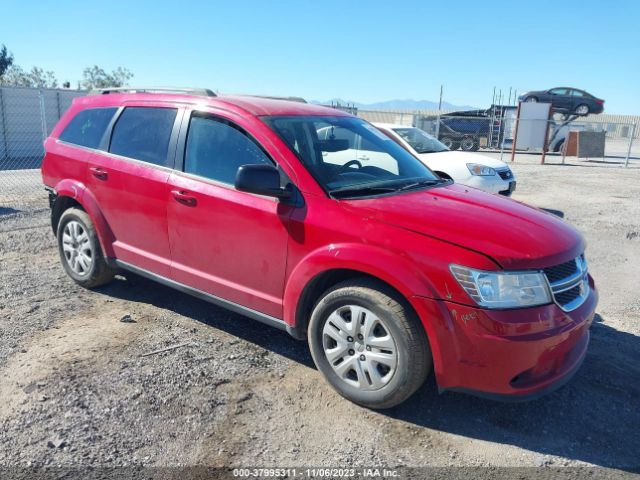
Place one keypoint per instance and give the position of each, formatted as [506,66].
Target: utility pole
[438,117]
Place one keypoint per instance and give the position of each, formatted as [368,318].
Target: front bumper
[506,354]
[491,184]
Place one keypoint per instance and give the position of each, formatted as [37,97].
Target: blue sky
[351,49]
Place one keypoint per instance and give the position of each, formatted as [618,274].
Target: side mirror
[262,180]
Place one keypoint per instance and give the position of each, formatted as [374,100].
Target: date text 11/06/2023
[315,473]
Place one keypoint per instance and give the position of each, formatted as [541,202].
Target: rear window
[88,127]
[143,133]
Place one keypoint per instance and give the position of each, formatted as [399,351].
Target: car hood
[514,235]
[462,158]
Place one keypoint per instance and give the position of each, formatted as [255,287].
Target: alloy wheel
[76,247]
[359,347]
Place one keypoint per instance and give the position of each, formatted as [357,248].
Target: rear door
[225,242]
[129,183]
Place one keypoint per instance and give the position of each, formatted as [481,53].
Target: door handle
[363,157]
[184,198]
[99,173]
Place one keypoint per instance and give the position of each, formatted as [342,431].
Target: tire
[531,99]
[389,331]
[450,143]
[80,251]
[582,109]
[447,142]
[469,144]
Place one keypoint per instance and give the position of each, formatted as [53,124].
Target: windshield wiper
[420,183]
[355,190]
[362,190]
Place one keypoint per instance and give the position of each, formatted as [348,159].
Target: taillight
[599,102]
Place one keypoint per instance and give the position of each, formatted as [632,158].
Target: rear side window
[216,150]
[88,127]
[143,133]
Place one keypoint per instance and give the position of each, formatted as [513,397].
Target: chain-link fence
[27,116]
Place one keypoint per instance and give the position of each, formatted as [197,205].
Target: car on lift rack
[567,100]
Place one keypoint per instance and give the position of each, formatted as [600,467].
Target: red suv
[386,269]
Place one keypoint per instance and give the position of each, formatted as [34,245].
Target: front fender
[391,268]
[79,192]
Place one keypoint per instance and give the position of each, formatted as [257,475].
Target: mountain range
[397,104]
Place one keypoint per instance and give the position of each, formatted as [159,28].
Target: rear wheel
[369,343]
[582,109]
[469,144]
[531,99]
[80,251]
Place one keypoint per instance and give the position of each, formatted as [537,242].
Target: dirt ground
[78,388]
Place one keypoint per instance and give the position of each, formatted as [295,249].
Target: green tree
[96,77]
[6,60]
[15,76]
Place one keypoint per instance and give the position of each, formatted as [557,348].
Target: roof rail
[204,92]
[274,97]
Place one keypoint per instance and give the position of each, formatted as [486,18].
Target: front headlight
[483,170]
[503,289]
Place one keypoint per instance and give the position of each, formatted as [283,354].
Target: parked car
[565,99]
[388,271]
[472,169]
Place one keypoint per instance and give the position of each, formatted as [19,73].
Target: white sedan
[472,169]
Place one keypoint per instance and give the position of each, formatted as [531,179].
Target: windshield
[420,141]
[350,157]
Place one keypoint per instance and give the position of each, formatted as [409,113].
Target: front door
[224,242]
[560,98]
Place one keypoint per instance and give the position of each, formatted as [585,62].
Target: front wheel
[450,143]
[369,343]
[80,251]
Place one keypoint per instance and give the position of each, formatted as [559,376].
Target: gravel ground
[80,387]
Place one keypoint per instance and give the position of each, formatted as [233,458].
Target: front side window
[350,157]
[87,127]
[216,149]
[420,141]
[143,133]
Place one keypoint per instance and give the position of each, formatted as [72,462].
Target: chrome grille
[558,272]
[569,283]
[568,296]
